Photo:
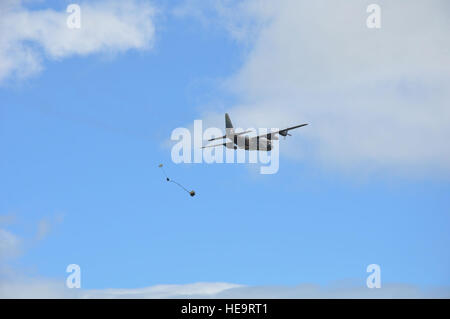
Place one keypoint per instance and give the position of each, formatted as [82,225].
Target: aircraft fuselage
[249,143]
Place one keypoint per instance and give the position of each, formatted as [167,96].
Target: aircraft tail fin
[228,123]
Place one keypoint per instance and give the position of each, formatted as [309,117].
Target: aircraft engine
[230,145]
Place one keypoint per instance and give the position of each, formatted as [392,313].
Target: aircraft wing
[221,144]
[235,134]
[282,132]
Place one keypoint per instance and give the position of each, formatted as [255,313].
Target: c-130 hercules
[256,143]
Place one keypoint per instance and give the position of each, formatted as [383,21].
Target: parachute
[192,192]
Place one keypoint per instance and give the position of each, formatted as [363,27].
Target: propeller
[284,136]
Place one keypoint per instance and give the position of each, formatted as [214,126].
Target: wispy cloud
[46,225]
[10,245]
[17,284]
[199,290]
[27,37]
[46,288]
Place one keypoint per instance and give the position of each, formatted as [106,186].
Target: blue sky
[81,142]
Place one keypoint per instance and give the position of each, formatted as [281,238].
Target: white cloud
[26,36]
[374,98]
